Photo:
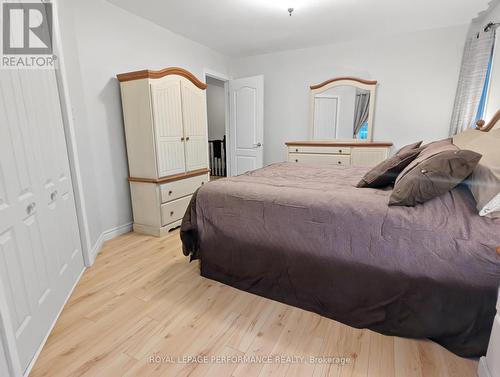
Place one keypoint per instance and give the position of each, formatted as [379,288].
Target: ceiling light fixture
[280,6]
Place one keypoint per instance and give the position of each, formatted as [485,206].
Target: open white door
[246,125]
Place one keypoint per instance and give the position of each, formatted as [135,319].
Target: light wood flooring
[143,299]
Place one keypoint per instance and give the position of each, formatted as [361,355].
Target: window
[363,132]
[484,95]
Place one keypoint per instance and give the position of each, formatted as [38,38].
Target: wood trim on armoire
[146,73]
[361,81]
[171,178]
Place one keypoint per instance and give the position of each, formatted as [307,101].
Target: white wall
[99,41]
[417,74]
[216,109]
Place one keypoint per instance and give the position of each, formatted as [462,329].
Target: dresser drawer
[174,210]
[315,158]
[320,150]
[178,189]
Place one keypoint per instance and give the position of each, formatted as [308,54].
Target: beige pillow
[462,139]
[484,182]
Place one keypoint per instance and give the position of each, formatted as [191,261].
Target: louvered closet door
[167,118]
[40,256]
[194,113]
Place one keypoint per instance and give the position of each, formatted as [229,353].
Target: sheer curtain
[477,54]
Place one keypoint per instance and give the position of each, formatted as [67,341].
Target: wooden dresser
[343,153]
[165,118]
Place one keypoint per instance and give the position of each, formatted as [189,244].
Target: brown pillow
[428,151]
[433,177]
[385,173]
[409,147]
[438,143]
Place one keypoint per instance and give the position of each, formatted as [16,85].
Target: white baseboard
[106,236]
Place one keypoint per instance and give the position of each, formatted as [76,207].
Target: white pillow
[492,206]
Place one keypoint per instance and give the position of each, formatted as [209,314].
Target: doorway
[235,114]
[217,135]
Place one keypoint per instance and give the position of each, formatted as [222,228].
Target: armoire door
[194,114]
[167,119]
[40,252]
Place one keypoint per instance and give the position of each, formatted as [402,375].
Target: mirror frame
[370,85]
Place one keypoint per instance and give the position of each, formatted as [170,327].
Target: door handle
[30,208]
[258,145]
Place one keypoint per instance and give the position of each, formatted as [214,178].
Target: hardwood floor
[142,301]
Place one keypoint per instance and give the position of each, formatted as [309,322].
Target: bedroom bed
[305,235]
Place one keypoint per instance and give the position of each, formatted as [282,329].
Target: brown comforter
[304,235]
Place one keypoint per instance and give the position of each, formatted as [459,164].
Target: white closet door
[194,113]
[167,118]
[4,366]
[40,256]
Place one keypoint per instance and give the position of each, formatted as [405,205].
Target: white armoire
[165,116]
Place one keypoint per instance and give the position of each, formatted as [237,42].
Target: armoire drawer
[320,150]
[178,189]
[340,160]
[173,211]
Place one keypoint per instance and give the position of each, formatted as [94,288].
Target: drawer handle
[171,213]
[182,139]
[170,192]
[340,150]
[340,162]
[202,183]
[187,139]
[296,160]
[296,149]
[53,195]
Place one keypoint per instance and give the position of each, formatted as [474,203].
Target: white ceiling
[250,27]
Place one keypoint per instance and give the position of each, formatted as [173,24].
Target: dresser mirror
[342,109]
